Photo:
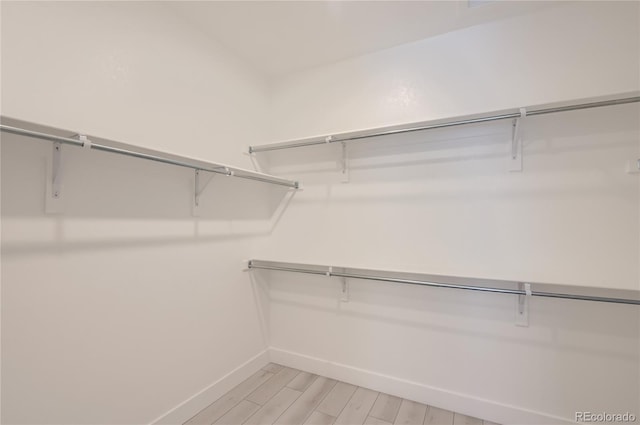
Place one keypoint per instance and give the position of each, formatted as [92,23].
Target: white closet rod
[453,282]
[156,156]
[430,125]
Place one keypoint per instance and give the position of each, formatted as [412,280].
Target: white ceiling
[280,37]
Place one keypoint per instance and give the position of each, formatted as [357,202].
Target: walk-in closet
[320,212]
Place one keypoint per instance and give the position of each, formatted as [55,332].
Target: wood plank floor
[281,395]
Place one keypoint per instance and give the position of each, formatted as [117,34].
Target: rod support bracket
[86,143]
[522,304]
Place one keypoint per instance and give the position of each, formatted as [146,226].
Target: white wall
[123,306]
[443,202]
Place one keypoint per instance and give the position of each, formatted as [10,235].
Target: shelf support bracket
[53,193]
[255,162]
[633,167]
[54,190]
[56,171]
[344,285]
[199,186]
[344,163]
[515,159]
[522,305]
[344,290]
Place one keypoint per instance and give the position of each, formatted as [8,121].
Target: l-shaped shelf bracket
[515,160]
[54,189]
[53,193]
[200,184]
[633,167]
[344,163]
[344,284]
[344,290]
[522,305]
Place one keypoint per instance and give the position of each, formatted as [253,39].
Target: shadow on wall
[110,201]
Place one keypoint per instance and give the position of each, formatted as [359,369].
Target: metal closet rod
[430,125]
[300,268]
[181,162]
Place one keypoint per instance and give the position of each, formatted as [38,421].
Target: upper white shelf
[513,113]
[32,130]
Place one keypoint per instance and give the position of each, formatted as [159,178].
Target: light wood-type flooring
[281,395]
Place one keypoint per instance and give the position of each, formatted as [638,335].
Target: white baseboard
[188,408]
[433,396]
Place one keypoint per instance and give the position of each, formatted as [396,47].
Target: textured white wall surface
[443,202]
[124,306]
